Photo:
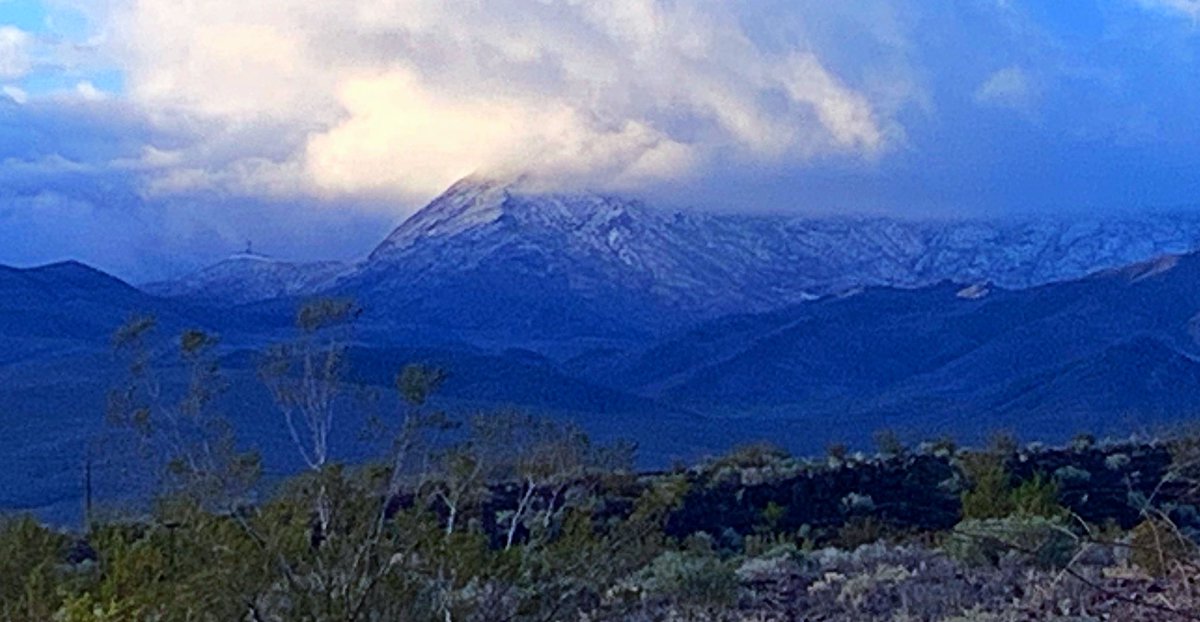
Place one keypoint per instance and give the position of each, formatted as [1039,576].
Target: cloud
[1183,8]
[1011,87]
[88,91]
[400,135]
[15,93]
[313,127]
[402,97]
[15,59]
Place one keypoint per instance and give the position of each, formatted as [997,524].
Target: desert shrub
[688,577]
[1158,547]
[769,579]
[754,456]
[943,446]
[993,495]
[860,530]
[1071,474]
[30,560]
[889,444]
[1044,541]
[764,544]
[1083,441]
[887,583]
[838,451]
[1037,496]
[990,493]
[859,503]
[1116,462]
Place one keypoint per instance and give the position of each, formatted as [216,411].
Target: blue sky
[150,137]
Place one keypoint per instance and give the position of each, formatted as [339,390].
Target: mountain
[491,262]
[723,263]
[250,277]
[686,331]
[1117,348]
[62,306]
[489,256]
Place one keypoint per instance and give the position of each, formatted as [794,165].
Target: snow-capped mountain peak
[487,234]
[483,203]
[715,263]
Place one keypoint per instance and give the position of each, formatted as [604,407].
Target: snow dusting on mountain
[719,263]
[699,264]
[250,277]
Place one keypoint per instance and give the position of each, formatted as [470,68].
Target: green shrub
[30,561]
[771,517]
[1037,497]
[1044,541]
[838,451]
[860,530]
[764,544]
[1157,547]
[752,456]
[990,494]
[689,577]
[889,444]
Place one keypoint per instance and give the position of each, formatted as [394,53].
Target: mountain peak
[471,202]
[69,273]
[481,202]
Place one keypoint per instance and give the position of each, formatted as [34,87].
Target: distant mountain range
[1115,349]
[489,260]
[685,331]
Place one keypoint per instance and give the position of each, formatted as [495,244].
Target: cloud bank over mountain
[221,120]
[406,97]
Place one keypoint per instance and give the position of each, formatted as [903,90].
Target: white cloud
[47,165]
[399,135]
[15,93]
[14,52]
[89,92]
[1011,87]
[1185,8]
[402,97]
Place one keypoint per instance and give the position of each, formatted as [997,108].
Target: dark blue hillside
[1114,347]
[1111,353]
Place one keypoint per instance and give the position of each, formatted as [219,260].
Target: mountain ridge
[671,268]
[1111,352]
[245,278]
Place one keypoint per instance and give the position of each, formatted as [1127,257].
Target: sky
[150,137]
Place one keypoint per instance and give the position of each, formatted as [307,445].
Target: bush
[1158,548]
[1037,497]
[1044,541]
[838,451]
[688,577]
[860,530]
[753,456]
[30,559]
[889,444]
[990,494]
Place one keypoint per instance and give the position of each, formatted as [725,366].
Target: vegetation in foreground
[501,516]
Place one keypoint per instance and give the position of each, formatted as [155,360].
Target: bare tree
[306,376]
[306,380]
[550,462]
[183,427]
